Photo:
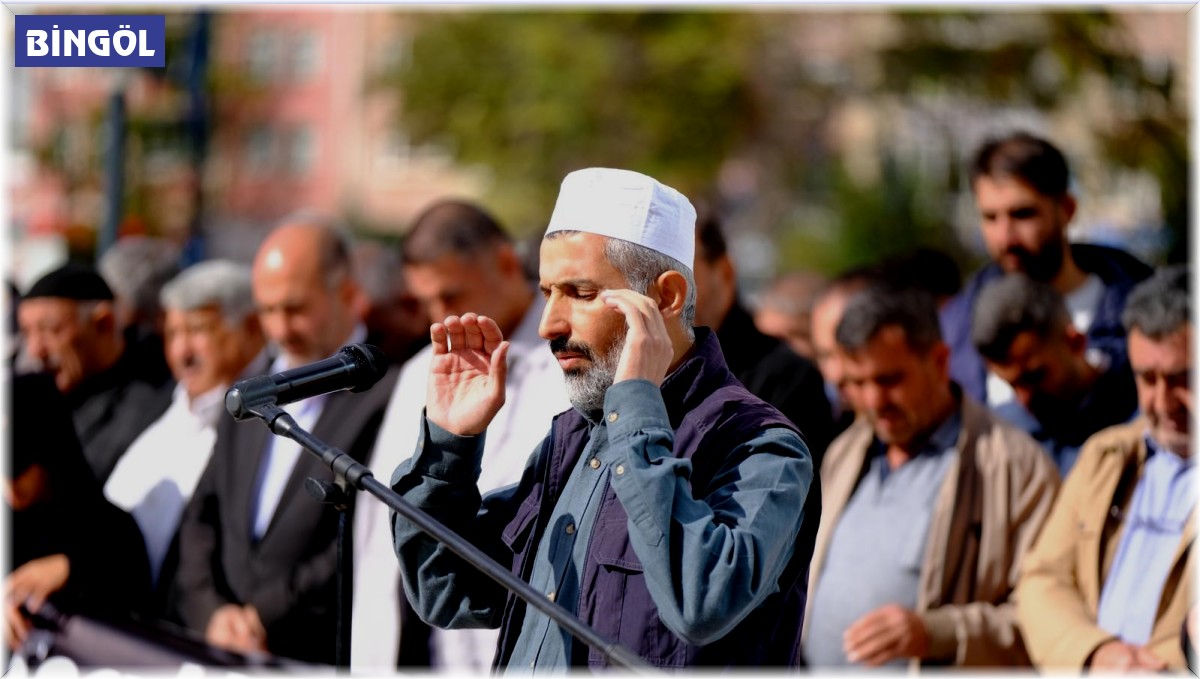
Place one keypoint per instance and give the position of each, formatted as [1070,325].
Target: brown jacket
[991,505]
[1064,574]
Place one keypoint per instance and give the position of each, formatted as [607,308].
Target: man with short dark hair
[930,503]
[457,259]
[1064,392]
[768,367]
[663,509]
[69,326]
[1108,585]
[455,255]
[1021,188]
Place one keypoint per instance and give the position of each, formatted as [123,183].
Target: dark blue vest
[710,412]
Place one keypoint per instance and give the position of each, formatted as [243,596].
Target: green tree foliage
[532,96]
[1048,61]
[868,223]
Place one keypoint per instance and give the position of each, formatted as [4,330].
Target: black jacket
[773,372]
[289,575]
[110,409]
[779,376]
[109,571]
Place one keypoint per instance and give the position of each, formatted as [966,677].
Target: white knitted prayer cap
[629,206]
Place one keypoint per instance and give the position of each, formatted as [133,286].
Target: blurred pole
[114,170]
[196,82]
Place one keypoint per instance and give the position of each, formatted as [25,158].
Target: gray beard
[586,388]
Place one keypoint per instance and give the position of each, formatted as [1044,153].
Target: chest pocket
[516,534]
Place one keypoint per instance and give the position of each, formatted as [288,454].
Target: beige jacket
[1064,574]
[996,495]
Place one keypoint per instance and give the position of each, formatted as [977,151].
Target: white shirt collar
[208,406]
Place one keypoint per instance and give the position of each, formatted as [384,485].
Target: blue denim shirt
[685,545]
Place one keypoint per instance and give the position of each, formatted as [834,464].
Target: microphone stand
[351,476]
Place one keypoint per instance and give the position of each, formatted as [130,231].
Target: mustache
[891,413]
[49,364]
[560,345]
[1019,252]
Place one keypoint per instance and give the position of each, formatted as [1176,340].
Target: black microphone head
[245,394]
[373,364]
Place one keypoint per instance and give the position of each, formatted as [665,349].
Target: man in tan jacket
[931,504]
[1109,583]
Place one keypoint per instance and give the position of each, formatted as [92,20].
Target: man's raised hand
[648,351]
[467,374]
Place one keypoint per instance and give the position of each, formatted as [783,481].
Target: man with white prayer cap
[662,509]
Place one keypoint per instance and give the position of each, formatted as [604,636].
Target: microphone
[356,367]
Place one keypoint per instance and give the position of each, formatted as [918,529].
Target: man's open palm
[467,374]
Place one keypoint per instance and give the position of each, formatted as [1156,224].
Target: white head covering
[629,206]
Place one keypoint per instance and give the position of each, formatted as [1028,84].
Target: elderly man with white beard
[662,509]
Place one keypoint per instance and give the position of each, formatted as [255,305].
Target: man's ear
[1067,204]
[508,262]
[349,293]
[940,353]
[251,325]
[672,293]
[104,317]
[725,270]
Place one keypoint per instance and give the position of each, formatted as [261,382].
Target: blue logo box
[91,40]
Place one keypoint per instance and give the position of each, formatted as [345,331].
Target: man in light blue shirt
[1107,586]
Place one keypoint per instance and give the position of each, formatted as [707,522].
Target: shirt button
[570,529]
[612,417]
[620,469]
[550,596]
[594,463]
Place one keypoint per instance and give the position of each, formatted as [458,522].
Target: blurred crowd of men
[1003,470]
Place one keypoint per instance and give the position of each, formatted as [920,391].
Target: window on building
[302,151]
[260,149]
[262,56]
[306,56]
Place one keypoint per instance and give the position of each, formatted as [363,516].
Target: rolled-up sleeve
[708,561]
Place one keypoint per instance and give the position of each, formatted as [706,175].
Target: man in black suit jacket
[258,556]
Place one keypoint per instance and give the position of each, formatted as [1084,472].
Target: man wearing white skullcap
[662,509]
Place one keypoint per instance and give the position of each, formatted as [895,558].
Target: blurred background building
[825,137]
